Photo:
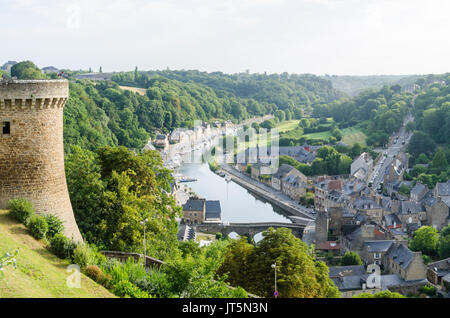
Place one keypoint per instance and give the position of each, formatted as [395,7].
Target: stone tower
[321,234]
[31,148]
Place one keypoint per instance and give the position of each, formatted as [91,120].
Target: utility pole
[145,243]
[274,266]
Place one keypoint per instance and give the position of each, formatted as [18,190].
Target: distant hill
[352,85]
[39,273]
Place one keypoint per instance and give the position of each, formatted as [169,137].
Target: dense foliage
[382,112]
[298,274]
[430,144]
[113,190]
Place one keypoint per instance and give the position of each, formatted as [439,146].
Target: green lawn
[39,273]
[351,135]
[287,125]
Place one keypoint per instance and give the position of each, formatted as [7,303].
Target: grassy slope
[39,273]
[287,125]
[351,135]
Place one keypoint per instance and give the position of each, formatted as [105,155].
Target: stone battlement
[40,94]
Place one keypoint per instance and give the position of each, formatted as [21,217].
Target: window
[6,128]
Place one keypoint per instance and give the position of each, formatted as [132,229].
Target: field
[351,135]
[39,273]
[287,125]
[140,91]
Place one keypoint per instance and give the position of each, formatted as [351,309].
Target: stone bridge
[248,229]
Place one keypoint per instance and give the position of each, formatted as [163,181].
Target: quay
[271,195]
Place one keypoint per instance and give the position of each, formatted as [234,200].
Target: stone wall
[32,155]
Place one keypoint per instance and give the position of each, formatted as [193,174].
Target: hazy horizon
[334,37]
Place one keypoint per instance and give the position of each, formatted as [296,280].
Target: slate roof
[378,246]
[401,255]
[419,190]
[395,280]
[442,266]
[365,203]
[355,269]
[354,235]
[282,171]
[443,188]
[446,200]
[213,210]
[292,180]
[430,201]
[194,205]
[408,207]
[350,282]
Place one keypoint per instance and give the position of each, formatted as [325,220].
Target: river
[238,204]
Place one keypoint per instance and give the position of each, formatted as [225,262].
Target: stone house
[437,270]
[361,167]
[394,172]
[321,190]
[411,212]
[351,280]
[373,251]
[418,192]
[194,211]
[368,207]
[442,189]
[402,261]
[277,177]
[437,211]
[294,184]
[197,211]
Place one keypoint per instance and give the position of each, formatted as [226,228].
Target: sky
[335,37]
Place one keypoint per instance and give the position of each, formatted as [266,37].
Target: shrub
[21,209]
[126,289]
[62,246]
[93,272]
[156,284]
[105,280]
[38,226]
[96,274]
[428,290]
[55,225]
[83,255]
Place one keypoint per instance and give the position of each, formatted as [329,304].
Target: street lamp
[274,266]
[145,245]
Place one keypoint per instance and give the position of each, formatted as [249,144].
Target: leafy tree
[280,115]
[356,150]
[235,264]
[26,70]
[351,258]
[444,243]
[439,160]
[421,143]
[382,294]
[298,275]
[425,240]
[410,126]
